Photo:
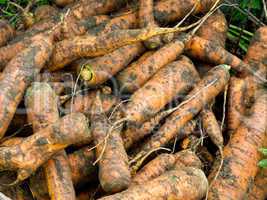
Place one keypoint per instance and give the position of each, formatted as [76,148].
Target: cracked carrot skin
[236,105]
[187,183]
[98,70]
[35,150]
[146,20]
[114,173]
[203,93]
[18,74]
[241,155]
[42,110]
[178,77]
[136,75]
[6,32]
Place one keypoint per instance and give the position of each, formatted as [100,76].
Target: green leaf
[3,1]
[263,163]
[263,151]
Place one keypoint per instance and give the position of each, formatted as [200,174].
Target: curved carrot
[241,155]
[6,32]
[18,74]
[187,183]
[178,77]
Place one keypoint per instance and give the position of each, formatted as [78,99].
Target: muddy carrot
[236,104]
[241,155]
[42,110]
[44,11]
[114,174]
[6,32]
[187,158]
[136,75]
[12,141]
[187,183]
[202,94]
[98,70]
[178,77]
[18,74]
[146,20]
[35,150]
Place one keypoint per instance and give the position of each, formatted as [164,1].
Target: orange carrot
[187,183]
[136,75]
[179,77]
[99,70]
[202,94]
[241,155]
[6,32]
[35,150]
[18,74]
[114,174]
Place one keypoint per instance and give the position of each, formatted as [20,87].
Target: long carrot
[178,77]
[35,150]
[241,155]
[114,174]
[42,110]
[18,74]
[135,76]
[97,71]
[205,90]
[187,183]
[6,32]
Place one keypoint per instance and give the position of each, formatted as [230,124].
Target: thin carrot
[18,74]
[6,32]
[187,183]
[98,70]
[178,77]
[114,174]
[205,90]
[35,150]
[241,155]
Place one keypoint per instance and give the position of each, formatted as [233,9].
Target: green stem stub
[87,73]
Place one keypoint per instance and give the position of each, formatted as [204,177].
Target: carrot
[12,141]
[146,20]
[258,190]
[136,75]
[63,2]
[214,29]
[236,104]
[165,162]
[187,183]
[6,32]
[44,11]
[35,150]
[18,74]
[41,104]
[241,155]
[202,94]
[178,77]
[114,174]
[98,70]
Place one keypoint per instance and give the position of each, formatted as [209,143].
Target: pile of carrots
[130,100]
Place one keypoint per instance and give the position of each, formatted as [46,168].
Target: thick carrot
[241,155]
[114,174]
[187,183]
[44,11]
[146,20]
[6,32]
[42,110]
[98,70]
[178,77]
[236,104]
[165,162]
[202,94]
[136,75]
[35,150]
[18,74]
[259,188]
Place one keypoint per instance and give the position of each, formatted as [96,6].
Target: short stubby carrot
[241,155]
[18,74]
[6,32]
[187,183]
[175,79]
